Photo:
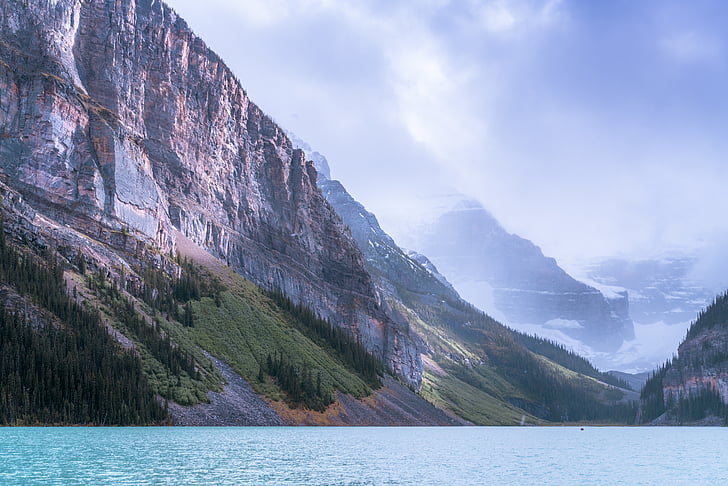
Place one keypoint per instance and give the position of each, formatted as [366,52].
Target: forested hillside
[692,387]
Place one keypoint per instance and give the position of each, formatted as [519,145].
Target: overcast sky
[592,128]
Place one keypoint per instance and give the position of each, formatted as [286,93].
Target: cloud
[584,126]
[692,47]
[497,16]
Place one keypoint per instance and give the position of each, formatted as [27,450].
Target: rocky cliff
[693,386]
[509,276]
[116,119]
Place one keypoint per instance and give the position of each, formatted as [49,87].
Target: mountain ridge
[111,142]
[509,276]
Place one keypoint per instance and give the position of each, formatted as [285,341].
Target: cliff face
[115,118]
[702,364]
[693,386]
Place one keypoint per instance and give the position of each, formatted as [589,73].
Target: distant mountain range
[509,277]
[659,290]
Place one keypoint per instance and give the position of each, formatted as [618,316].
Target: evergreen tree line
[698,405]
[74,373]
[299,385]
[716,314]
[351,352]
[164,293]
[564,399]
[150,335]
[567,358]
[536,344]
[686,407]
[652,398]
[694,406]
[553,395]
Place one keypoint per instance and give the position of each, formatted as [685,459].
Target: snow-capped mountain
[510,278]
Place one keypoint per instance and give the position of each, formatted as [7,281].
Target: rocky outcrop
[702,364]
[115,118]
[510,277]
[692,387]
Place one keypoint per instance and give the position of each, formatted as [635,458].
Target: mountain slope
[116,118]
[133,163]
[167,320]
[474,366]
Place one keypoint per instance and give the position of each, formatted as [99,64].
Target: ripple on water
[362,456]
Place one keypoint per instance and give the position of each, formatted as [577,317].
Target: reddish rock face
[114,115]
[702,366]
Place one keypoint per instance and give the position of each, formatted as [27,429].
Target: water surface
[363,456]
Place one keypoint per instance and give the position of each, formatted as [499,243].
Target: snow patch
[611,292]
[563,324]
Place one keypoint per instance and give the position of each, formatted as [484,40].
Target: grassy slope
[245,326]
[470,380]
[242,330]
[248,326]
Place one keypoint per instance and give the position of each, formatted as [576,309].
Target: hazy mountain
[665,296]
[474,366]
[509,277]
[659,290]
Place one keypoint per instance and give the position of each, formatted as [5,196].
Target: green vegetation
[568,359]
[553,392]
[248,326]
[483,358]
[651,397]
[473,398]
[697,405]
[335,340]
[716,314]
[299,385]
[66,368]
[245,326]
[175,367]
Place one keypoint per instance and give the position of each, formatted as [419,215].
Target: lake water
[364,456]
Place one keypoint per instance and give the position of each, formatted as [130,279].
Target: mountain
[659,290]
[509,276]
[665,295]
[692,387]
[118,119]
[474,366]
[166,256]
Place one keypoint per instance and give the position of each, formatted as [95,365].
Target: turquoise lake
[364,456]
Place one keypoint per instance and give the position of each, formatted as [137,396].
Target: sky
[593,128]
